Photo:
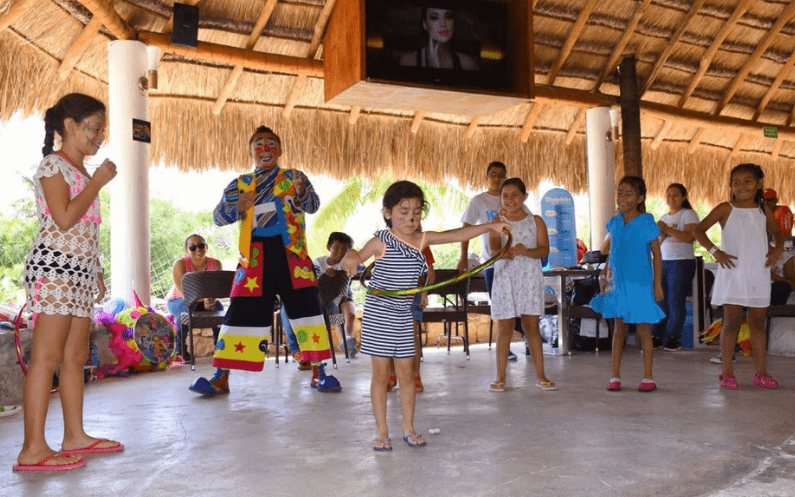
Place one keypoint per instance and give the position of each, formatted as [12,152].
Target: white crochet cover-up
[61,268]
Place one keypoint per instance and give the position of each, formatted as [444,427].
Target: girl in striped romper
[387,328]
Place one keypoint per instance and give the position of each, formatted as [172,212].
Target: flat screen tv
[461,43]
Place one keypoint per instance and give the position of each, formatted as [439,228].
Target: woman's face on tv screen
[439,24]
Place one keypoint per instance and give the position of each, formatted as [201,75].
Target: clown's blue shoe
[327,383]
[217,385]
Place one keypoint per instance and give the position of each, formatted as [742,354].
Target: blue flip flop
[386,445]
[413,441]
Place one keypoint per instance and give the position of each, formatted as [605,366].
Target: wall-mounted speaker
[185,32]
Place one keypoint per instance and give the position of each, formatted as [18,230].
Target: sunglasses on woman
[200,246]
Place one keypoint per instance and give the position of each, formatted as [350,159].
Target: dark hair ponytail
[639,185]
[75,106]
[756,170]
[683,192]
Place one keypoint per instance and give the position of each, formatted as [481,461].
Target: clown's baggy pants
[249,319]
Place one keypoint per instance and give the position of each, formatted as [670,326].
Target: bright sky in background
[22,139]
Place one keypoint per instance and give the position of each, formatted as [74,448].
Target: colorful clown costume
[277,262]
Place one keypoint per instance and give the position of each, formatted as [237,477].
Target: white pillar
[129,195]
[601,171]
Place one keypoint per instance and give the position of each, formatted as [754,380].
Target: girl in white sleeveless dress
[743,278]
[518,289]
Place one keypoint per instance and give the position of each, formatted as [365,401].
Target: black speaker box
[185,32]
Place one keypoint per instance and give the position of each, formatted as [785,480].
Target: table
[564,338]
[560,275]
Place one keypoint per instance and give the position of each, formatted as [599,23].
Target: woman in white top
[679,265]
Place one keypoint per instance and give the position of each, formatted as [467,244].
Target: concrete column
[129,194]
[601,171]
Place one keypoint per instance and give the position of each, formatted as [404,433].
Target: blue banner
[557,211]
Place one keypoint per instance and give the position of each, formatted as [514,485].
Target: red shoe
[418,384]
[647,385]
[728,381]
[391,383]
[764,380]
[614,384]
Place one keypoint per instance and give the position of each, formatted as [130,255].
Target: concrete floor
[273,435]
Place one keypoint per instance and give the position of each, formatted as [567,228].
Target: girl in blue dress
[632,284]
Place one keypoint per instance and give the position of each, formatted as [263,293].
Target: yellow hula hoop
[420,289]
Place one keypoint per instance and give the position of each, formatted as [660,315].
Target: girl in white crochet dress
[63,280]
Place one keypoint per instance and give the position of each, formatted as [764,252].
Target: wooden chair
[198,285]
[454,309]
[277,332]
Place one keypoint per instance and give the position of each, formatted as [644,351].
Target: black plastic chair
[454,309]
[198,285]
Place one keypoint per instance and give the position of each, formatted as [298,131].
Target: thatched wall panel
[50,20]
[294,16]
[21,64]
[293,48]
[512,116]
[267,88]
[146,20]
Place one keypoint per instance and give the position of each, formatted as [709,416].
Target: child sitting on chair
[334,286]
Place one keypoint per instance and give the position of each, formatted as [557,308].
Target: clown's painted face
[265,149]
[439,24]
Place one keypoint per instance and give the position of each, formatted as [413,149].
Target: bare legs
[505,329]
[620,335]
[732,314]
[378,396]
[57,340]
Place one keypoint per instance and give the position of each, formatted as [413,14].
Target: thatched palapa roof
[712,74]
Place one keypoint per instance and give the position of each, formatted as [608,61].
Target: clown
[270,203]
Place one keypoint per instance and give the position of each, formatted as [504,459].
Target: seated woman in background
[439,53]
[195,260]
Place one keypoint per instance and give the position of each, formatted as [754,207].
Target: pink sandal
[764,380]
[728,381]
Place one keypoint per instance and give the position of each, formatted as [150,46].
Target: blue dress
[632,295]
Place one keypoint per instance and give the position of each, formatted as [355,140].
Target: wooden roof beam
[666,127]
[415,124]
[770,91]
[736,150]
[779,141]
[575,126]
[612,63]
[752,61]
[549,95]
[314,44]
[103,9]
[671,44]
[706,60]
[231,81]
[532,115]
[568,45]
[473,125]
[78,47]
[13,13]
[226,55]
[356,111]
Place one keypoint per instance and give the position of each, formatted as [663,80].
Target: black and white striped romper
[387,326]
